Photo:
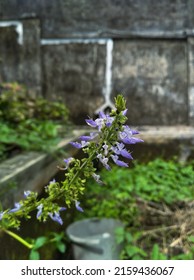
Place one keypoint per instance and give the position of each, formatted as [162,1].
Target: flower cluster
[111,147]
[107,144]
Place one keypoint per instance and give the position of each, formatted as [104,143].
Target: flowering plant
[106,144]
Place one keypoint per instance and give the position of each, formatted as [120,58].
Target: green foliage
[129,239]
[156,254]
[27,122]
[120,103]
[17,104]
[55,239]
[159,181]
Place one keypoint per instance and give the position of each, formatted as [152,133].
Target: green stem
[81,168]
[60,194]
[18,238]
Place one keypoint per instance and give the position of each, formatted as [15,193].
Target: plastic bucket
[94,239]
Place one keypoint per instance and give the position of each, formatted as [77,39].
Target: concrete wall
[87,51]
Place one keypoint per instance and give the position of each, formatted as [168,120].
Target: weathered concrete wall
[153,76]
[76,73]
[20,53]
[65,52]
[10,54]
[114,18]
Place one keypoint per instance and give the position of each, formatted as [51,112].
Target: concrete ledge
[31,171]
[164,134]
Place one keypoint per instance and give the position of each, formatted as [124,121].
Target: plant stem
[18,238]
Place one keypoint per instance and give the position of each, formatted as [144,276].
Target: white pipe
[108,78]
[18,27]
[73,41]
[107,89]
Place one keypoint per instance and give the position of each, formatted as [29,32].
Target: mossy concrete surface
[31,170]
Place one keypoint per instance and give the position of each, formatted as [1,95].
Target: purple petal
[106,150]
[39,207]
[77,203]
[1,215]
[79,145]
[126,135]
[119,162]
[126,154]
[104,161]
[62,209]
[91,122]
[52,181]
[85,138]
[134,132]
[124,112]
[76,145]
[109,121]
[56,217]
[120,150]
[132,140]
[89,137]
[67,161]
[17,208]
[97,178]
[102,115]
[27,193]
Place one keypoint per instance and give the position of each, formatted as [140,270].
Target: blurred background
[88,51]
[64,60]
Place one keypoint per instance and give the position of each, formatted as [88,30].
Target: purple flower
[120,150]
[126,136]
[68,161]
[105,147]
[39,207]
[104,119]
[89,137]
[56,217]
[104,161]
[79,145]
[52,181]
[97,178]
[119,162]
[1,215]
[27,193]
[124,112]
[91,122]
[77,203]
[17,207]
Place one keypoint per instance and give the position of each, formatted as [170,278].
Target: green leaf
[134,250]
[129,237]
[119,234]
[191,239]
[34,255]
[39,242]
[61,247]
[155,252]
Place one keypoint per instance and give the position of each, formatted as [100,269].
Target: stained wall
[85,52]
